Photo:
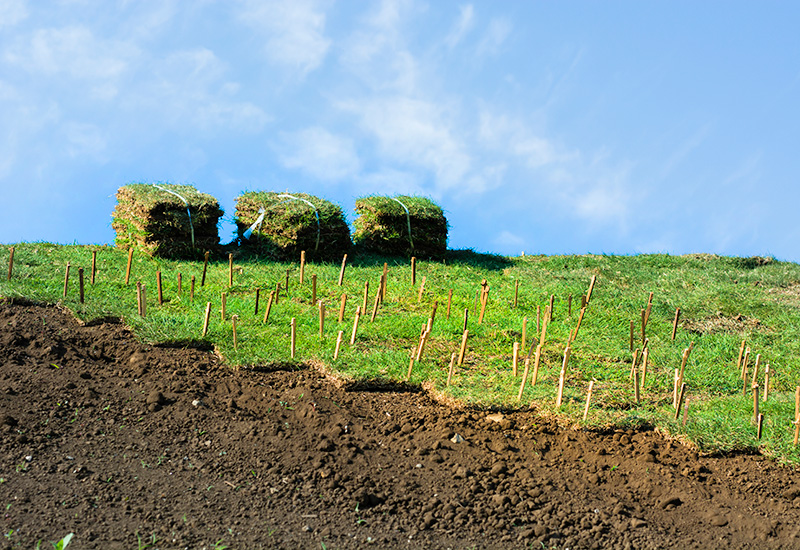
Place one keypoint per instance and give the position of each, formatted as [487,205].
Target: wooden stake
[766,382]
[755,369]
[191,289]
[302,266]
[755,401]
[341,271]
[449,301]
[421,289]
[515,358]
[411,363]
[648,309]
[230,270]
[484,301]
[338,345]
[80,284]
[433,312]
[384,281]
[636,385]
[545,322]
[66,280]
[366,296]
[681,397]
[159,288]
[355,325]
[634,363]
[591,289]
[466,318]
[278,292]
[233,322]
[293,329]
[562,377]
[10,262]
[588,400]
[739,360]
[180,283]
[206,319]
[631,338]
[314,289]
[760,425]
[144,300]
[536,360]
[128,269]
[796,415]
[644,325]
[578,326]
[269,305]
[584,302]
[258,295]
[524,334]
[205,268]
[342,304]
[524,377]
[422,341]
[94,266]
[413,271]
[675,322]
[551,307]
[321,319]
[645,356]
[463,348]
[538,318]
[222,309]
[516,292]
[745,360]
[675,388]
[451,368]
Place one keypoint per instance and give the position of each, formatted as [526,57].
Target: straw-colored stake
[760,425]
[538,318]
[562,377]
[342,305]
[206,319]
[684,360]
[675,322]
[755,369]
[233,323]
[384,281]
[366,296]
[313,289]
[94,266]
[463,349]
[302,266]
[180,283]
[466,319]
[449,301]
[278,292]
[66,280]
[578,326]
[293,329]
[421,289]
[451,368]
[159,288]
[341,271]
[550,308]
[796,415]
[766,381]
[191,289]
[413,271]
[321,319]
[338,345]
[648,309]
[515,358]
[545,322]
[10,262]
[80,285]
[355,325]
[631,338]
[411,363]
[516,293]
[588,400]
[645,356]
[584,301]
[644,324]
[525,372]
[205,269]
[433,312]
[224,303]
[422,341]
[675,388]
[484,302]
[741,355]
[537,358]
[230,270]
[745,361]
[681,397]
[591,289]
[636,385]
[258,295]
[524,333]
[269,305]
[635,362]
[756,391]
[144,300]
[128,268]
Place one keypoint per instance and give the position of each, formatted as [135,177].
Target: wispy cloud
[495,36]
[461,27]
[12,12]
[320,154]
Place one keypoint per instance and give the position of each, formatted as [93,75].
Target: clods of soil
[134,446]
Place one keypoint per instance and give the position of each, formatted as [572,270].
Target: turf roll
[280,225]
[166,220]
[402,225]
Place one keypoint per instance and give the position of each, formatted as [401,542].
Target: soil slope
[133,446]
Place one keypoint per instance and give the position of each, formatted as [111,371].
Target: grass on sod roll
[382,226]
[154,219]
[723,300]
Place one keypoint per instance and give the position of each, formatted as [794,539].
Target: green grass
[722,301]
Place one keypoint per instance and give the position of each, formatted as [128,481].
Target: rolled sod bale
[155,219]
[291,223]
[401,225]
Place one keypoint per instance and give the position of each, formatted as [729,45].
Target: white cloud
[294,31]
[320,154]
[499,29]
[85,140]
[12,12]
[462,26]
[507,242]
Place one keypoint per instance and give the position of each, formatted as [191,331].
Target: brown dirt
[108,438]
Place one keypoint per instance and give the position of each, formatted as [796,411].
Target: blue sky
[544,127]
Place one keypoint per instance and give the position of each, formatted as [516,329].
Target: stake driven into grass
[597,353]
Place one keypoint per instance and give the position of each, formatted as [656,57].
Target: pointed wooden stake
[224,303]
[205,268]
[206,319]
[269,306]
[230,270]
[422,341]
[675,322]
[144,300]
[756,392]
[411,363]
[94,266]
[278,292]
[66,280]
[536,360]
[648,309]
[293,336]
[139,298]
[644,325]
[80,283]
[366,296]
[681,397]
[159,288]
[466,318]
[286,283]
[484,300]
[538,318]
[384,281]
[180,283]
[631,338]
[463,348]
[755,369]
[342,305]
[741,355]
[413,271]
[355,325]
[578,326]
[550,308]
[451,368]
[562,377]
[524,377]
[314,289]
[760,425]
[258,295]
[302,266]
[524,338]
[745,360]
[341,271]
[128,268]
[636,385]
[515,358]
[588,400]
[645,356]
[338,345]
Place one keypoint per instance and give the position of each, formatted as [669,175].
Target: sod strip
[128,268]
[66,280]
[206,319]
[94,266]
[10,262]
[338,345]
[588,400]
[80,283]
[205,268]
[341,271]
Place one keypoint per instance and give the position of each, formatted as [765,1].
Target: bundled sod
[400,226]
[281,225]
[155,219]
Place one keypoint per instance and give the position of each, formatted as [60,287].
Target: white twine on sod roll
[255,225]
[289,198]
[408,219]
[191,227]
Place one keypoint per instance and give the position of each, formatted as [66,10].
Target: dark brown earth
[125,444]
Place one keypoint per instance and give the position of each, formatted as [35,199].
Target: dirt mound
[134,446]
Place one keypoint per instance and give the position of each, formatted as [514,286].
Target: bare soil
[133,446]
